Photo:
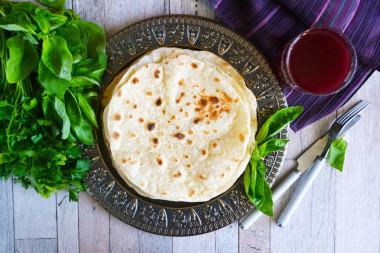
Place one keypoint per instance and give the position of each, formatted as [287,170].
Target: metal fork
[335,132]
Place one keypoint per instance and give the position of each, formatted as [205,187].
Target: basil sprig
[337,153]
[256,188]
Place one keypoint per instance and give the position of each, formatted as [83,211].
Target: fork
[335,132]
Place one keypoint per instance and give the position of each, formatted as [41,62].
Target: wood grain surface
[339,214]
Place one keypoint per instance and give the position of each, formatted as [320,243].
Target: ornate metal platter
[180,218]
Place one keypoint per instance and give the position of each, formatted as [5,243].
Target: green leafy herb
[55,4]
[46,85]
[337,153]
[256,188]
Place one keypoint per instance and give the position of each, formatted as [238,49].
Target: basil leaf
[277,122]
[17,22]
[82,81]
[92,68]
[70,32]
[52,83]
[93,37]
[48,21]
[57,57]
[271,146]
[23,58]
[55,4]
[60,109]
[263,194]
[83,132]
[250,178]
[337,153]
[87,109]
[72,108]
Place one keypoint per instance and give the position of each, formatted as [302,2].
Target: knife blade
[303,163]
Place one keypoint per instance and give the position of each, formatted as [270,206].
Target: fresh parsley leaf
[337,153]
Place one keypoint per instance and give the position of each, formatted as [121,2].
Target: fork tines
[351,113]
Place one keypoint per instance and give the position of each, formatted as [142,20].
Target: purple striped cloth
[270,24]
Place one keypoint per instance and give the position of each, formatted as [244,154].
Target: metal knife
[304,162]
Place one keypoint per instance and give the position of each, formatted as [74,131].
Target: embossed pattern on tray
[199,34]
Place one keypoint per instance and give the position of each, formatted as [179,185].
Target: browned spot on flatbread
[181,110]
[164,193]
[194,65]
[127,102]
[149,93]
[177,127]
[190,131]
[164,111]
[117,117]
[229,169]
[186,114]
[188,103]
[178,174]
[155,140]
[181,82]
[222,175]
[186,156]
[206,132]
[158,102]
[180,136]
[151,126]
[181,63]
[166,63]
[141,120]
[215,144]
[176,160]
[135,80]
[197,120]
[241,137]
[215,108]
[124,160]
[216,79]
[159,161]
[119,93]
[202,177]
[146,66]
[173,117]
[157,73]
[133,162]
[130,116]
[208,122]
[204,152]
[214,99]
[142,184]
[115,135]
[188,166]
[192,193]
[133,135]
[189,142]
[134,106]
[236,100]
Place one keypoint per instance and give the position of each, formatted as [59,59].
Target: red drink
[319,61]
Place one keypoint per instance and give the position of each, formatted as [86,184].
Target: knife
[304,162]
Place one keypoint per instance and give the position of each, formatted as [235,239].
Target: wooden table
[340,213]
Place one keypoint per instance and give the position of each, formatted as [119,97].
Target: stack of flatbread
[180,124]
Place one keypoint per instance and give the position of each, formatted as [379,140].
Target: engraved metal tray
[181,218]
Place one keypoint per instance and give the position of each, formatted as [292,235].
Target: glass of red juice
[319,61]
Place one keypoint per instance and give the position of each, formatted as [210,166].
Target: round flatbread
[180,125]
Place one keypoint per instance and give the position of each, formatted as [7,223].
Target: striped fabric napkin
[270,24]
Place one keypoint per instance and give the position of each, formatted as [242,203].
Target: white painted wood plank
[227,239]
[201,8]
[358,186]
[36,245]
[257,237]
[150,243]
[6,216]
[121,13]
[93,225]
[34,216]
[90,10]
[195,244]
[123,238]
[67,223]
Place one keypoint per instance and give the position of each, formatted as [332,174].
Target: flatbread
[180,125]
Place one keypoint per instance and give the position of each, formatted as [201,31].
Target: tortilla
[180,125]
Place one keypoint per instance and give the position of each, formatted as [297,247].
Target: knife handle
[246,222]
[300,191]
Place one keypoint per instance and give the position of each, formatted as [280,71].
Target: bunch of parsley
[51,64]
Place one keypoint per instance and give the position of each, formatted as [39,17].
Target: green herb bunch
[256,188]
[51,65]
